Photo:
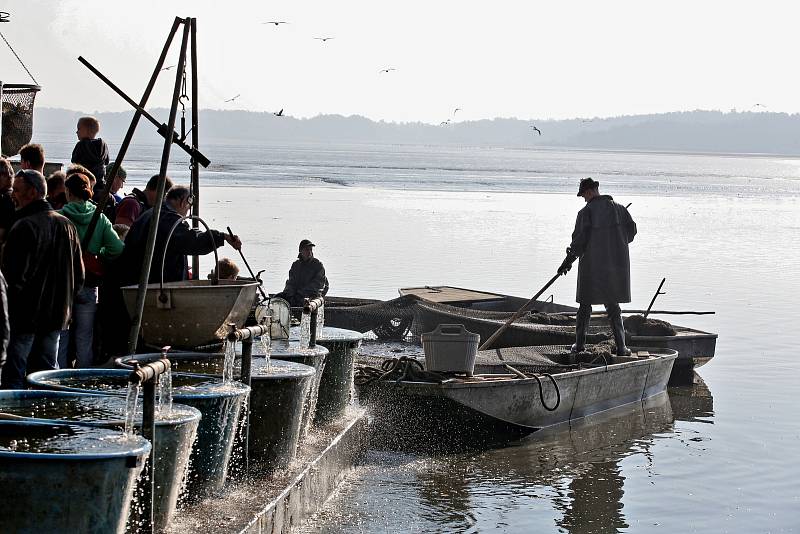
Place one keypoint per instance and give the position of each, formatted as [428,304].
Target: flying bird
[537,130]
[456,110]
[279,113]
[275,22]
[323,39]
[388,69]
[170,67]
[232,99]
[759,106]
[444,123]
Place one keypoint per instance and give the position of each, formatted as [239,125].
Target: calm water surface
[718,456]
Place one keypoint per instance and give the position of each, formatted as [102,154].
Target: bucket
[450,349]
[218,403]
[280,400]
[58,478]
[336,382]
[174,435]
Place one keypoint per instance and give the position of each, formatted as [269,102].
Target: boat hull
[514,405]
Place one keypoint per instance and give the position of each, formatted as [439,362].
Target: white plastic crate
[450,349]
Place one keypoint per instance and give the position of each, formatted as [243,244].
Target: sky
[525,59]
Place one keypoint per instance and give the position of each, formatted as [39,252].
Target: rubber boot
[581,325]
[615,318]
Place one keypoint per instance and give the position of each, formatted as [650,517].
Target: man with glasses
[185,241]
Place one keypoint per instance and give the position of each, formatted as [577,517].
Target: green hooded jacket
[105,242]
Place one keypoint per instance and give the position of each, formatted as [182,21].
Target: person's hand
[566,265]
[234,241]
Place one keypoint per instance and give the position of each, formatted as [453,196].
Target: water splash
[305,330]
[165,394]
[131,400]
[320,319]
[266,345]
[230,359]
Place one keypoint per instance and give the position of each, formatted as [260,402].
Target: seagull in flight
[170,67]
[760,106]
[276,22]
[444,123]
[323,39]
[456,110]
[387,69]
[232,99]
[537,130]
[279,113]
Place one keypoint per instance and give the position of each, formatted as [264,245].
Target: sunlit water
[722,230]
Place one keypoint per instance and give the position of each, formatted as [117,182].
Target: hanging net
[17,116]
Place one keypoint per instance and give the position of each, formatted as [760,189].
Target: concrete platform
[278,503]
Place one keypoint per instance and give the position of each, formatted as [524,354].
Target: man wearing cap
[602,232]
[43,267]
[306,277]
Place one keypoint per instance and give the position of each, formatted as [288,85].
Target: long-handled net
[18,100]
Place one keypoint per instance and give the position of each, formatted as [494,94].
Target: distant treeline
[690,131]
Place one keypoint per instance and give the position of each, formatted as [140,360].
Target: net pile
[389,319]
[17,117]
[637,325]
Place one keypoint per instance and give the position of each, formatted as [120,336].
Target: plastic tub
[218,403]
[66,478]
[174,435]
[450,349]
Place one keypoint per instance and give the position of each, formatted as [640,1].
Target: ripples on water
[720,229]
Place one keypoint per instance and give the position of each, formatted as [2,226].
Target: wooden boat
[483,313]
[485,409]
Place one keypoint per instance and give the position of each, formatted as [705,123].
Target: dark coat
[44,270]
[306,280]
[185,241]
[603,230]
[5,329]
[92,154]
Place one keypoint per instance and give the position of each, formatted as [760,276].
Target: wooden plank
[449,294]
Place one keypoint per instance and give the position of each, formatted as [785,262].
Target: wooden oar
[488,343]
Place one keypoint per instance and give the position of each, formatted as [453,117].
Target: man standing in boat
[602,232]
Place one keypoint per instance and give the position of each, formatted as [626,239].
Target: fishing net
[637,325]
[17,116]
[527,330]
[389,319]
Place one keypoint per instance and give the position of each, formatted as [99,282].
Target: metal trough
[192,313]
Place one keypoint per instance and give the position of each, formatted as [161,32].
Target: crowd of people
[54,276]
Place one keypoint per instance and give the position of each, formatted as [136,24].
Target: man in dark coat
[44,270]
[306,277]
[602,232]
[7,207]
[185,241]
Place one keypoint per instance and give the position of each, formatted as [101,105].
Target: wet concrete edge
[310,489]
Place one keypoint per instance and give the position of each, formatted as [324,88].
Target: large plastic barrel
[280,401]
[175,434]
[58,478]
[336,382]
[315,357]
[219,403]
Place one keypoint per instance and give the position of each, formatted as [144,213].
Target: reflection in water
[571,476]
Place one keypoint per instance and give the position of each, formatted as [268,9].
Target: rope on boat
[397,369]
[541,392]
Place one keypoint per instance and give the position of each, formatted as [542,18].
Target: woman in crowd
[104,244]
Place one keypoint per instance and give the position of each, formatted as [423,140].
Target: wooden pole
[658,292]
[488,343]
[144,277]
[195,145]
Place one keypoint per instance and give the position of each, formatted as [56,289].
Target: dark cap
[305,243]
[586,185]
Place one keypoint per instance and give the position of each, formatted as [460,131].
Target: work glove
[566,265]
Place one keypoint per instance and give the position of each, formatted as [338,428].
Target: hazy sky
[526,59]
